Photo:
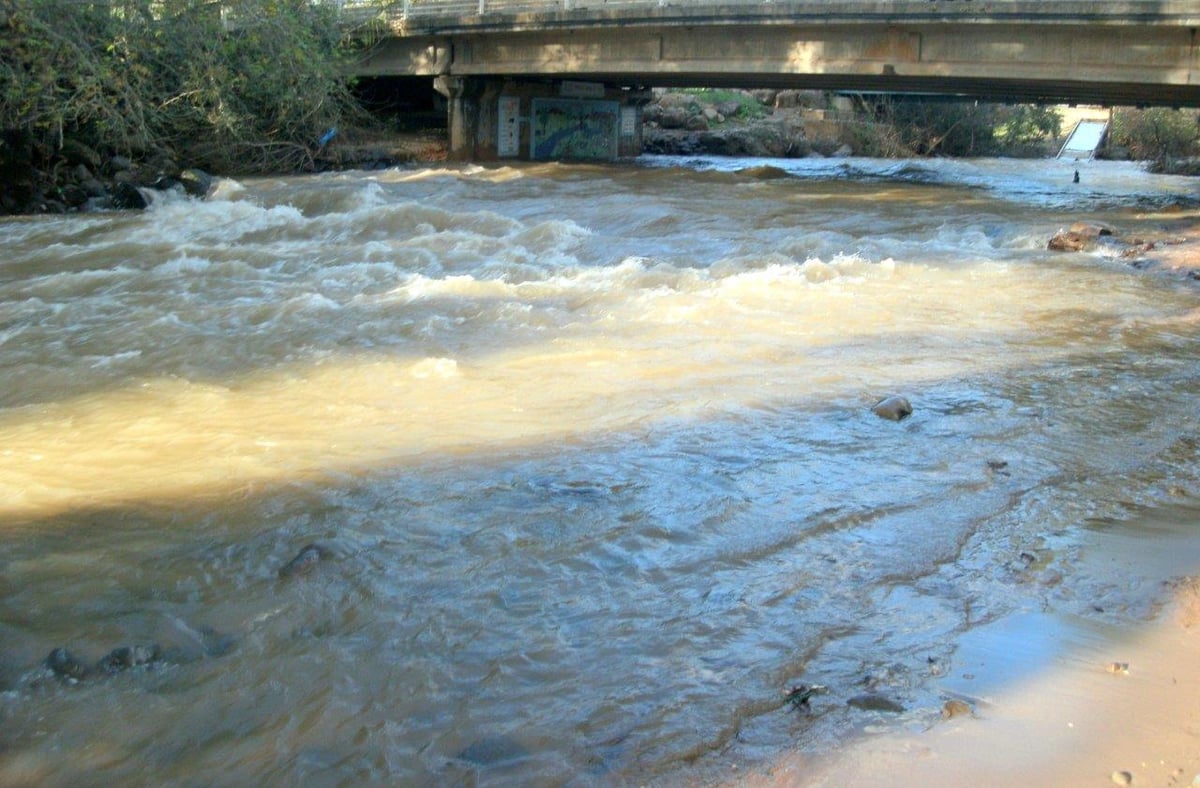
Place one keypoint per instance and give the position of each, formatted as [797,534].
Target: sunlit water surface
[588,451]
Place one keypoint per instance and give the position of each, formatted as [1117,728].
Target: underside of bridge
[510,83]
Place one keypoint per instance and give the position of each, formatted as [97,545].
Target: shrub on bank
[246,87]
[1168,138]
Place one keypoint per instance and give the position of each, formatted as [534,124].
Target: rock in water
[196,182]
[874,702]
[892,408]
[304,562]
[126,196]
[765,172]
[492,751]
[126,657]
[956,708]
[66,665]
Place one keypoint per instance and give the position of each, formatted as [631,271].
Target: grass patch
[748,107]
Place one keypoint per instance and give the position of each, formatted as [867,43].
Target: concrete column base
[541,120]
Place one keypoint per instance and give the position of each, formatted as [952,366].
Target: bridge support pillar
[492,119]
[471,104]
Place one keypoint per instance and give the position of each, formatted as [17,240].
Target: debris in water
[799,694]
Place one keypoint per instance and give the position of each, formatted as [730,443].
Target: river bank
[76,177]
[1054,699]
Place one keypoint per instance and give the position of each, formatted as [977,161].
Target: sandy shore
[1085,721]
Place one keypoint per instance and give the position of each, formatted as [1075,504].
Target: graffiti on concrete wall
[574,129]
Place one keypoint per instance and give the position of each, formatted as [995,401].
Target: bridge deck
[1058,51]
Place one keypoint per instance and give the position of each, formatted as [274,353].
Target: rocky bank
[760,123]
[74,176]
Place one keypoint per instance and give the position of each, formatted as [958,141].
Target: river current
[588,453]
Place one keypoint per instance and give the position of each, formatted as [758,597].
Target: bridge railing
[400,11]
[409,14]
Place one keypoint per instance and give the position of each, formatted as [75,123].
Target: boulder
[126,196]
[93,188]
[893,408]
[1067,241]
[74,195]
[729,109]
[683,101]
[196,182]
[64,664]
[76,152]
[787,99]
[1081,236]
[673,118]
[765,96]
[1090,229]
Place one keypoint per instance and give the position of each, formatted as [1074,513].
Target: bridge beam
[1060,60]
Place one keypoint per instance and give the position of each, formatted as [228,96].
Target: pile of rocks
[81,179]
[762,123]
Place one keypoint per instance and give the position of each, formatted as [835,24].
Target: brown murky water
[588,452]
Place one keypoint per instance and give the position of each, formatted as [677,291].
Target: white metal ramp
[1084,140]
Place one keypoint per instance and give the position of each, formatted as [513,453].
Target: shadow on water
[538,614]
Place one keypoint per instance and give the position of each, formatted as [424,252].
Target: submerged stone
[304,562]
[493,750]
[126,657]
[873,702]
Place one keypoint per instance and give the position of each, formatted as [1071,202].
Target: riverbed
[589,456]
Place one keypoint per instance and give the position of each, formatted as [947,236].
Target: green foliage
[1027,124]
[62,68]
[748,108]
[950,128]
[245,85]
[913,127]
[1157,134]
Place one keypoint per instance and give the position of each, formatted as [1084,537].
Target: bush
[242,86]
[1027,125]
[1158,134]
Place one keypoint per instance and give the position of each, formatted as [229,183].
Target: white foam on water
[442,368]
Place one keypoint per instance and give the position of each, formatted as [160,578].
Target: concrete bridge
[519,72]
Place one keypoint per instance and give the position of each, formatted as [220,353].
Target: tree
[1158,135]
[234,85]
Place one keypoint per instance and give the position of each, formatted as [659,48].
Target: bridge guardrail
[401,13]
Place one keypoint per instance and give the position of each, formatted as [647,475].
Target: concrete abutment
[494,119]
